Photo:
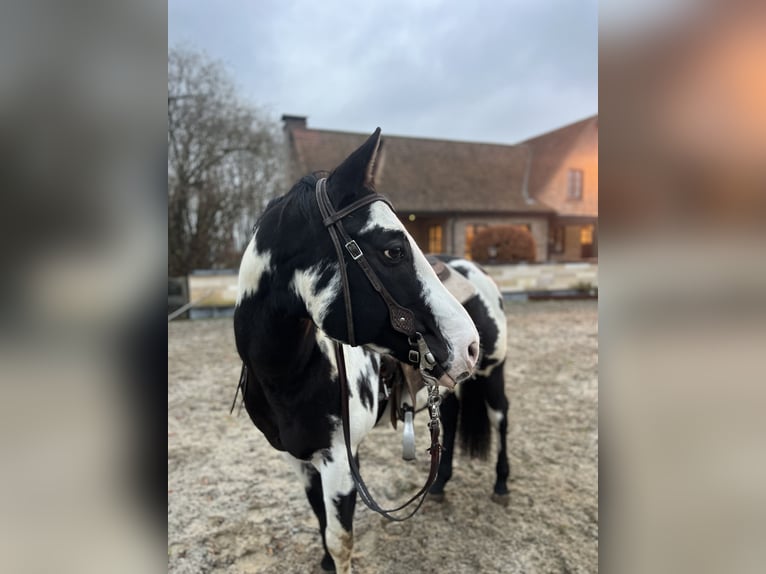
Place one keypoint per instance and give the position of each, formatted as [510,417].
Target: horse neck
[277,332]
[279,341]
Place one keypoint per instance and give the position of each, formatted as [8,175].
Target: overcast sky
[488,70]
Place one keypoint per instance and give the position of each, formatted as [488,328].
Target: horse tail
[474,425]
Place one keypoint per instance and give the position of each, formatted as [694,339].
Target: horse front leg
[312,484]
[339,496]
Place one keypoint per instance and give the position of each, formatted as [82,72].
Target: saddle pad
[460,287]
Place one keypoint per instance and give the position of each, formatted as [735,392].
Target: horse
[300,293]
[480,402]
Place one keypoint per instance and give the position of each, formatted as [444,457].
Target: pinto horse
[296,299]
[480,402]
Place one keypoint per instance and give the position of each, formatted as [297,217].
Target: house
[564,176]
[446,191]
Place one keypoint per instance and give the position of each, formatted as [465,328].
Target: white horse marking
[304,284]
[337,482]
[490,295]
[495,416]
[253,266]
[360,371]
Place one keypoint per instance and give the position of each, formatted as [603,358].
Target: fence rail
[205,293]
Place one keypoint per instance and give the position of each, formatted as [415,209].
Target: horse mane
[301,197]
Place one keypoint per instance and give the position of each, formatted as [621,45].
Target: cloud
[481,71]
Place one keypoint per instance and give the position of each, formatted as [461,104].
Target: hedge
[512,244]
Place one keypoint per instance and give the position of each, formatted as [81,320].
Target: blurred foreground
[683,286]
[82,136]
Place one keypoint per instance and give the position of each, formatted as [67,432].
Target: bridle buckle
[354,250]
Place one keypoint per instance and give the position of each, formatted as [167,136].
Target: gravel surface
[235,506]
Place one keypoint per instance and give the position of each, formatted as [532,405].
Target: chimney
[294,122]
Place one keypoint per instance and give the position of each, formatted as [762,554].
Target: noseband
[402,320]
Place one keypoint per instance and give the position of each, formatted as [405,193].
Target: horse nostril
[473,351]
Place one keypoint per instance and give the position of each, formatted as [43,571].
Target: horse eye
[394,254]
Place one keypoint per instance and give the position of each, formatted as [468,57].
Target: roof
[428,175]
[552,148]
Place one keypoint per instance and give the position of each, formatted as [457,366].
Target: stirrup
[408,435]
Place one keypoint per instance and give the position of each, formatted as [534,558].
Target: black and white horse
[291,308]
[479,403]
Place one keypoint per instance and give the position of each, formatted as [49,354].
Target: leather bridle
[402,320]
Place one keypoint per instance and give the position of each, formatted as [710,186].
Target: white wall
[543,277]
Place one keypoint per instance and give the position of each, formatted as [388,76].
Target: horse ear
[357,170]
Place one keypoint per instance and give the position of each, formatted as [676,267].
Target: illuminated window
[574,184]
[586,235]
[435,239]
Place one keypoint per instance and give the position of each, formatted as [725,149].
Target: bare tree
[224,163]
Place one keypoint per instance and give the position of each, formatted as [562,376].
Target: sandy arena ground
[235,506]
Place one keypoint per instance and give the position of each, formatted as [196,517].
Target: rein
[403,321]
[434,449]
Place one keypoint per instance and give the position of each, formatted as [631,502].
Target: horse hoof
[437,496]
[327,564]
[501,499]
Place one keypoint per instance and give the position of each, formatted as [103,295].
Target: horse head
[294,235]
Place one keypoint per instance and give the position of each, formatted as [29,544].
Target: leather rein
[403,321]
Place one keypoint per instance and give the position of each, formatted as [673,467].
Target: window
[574,184]
[587,244]
[470,232]
[556,238]
[435,239]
